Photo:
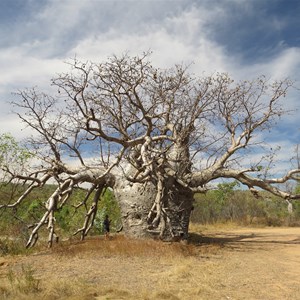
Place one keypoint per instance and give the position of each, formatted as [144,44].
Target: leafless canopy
[126,119]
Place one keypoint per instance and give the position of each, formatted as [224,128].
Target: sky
[245,38]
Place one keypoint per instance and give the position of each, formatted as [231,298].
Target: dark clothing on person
[106,224]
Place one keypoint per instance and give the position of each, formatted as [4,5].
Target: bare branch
[154,135]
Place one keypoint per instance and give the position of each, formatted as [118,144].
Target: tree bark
[137,204]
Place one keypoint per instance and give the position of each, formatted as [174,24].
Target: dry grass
[120,246]
[154,263]
[222,263]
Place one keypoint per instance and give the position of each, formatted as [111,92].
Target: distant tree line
[228,203]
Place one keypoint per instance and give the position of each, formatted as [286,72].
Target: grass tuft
[25,282]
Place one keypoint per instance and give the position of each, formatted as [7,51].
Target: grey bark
[140,214]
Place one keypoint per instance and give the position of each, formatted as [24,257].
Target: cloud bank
[240,37]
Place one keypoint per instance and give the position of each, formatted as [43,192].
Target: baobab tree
[154,136]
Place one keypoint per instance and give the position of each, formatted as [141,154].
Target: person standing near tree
[106,225]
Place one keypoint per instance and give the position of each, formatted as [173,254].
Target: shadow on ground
[238,240]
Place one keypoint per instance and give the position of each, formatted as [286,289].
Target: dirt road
[238,263]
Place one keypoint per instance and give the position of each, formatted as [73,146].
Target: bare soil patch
[226,263]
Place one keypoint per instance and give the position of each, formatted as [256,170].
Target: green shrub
[240,206]
[12,247]
[108,206]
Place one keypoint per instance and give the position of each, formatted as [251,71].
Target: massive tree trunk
[158,206]
[142,218]
[135,202]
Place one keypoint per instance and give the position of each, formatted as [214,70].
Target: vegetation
[24,283]
[17,223]
[229,204]
[155,136]
[220,262]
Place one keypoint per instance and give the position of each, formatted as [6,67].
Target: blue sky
[245,38]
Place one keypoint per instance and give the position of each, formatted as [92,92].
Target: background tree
[13,159]
[155,136]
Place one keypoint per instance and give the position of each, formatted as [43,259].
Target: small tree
[13,159]
[155,136]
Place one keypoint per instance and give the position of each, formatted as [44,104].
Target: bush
[108,206]
[12,247]
[230,205]
[16,222]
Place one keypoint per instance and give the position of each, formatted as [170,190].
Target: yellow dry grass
[224,262]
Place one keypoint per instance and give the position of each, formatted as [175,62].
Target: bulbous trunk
[136,203]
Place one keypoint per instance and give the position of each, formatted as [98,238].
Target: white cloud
[176,32]
[23,70]
[285,64]
[177,39]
